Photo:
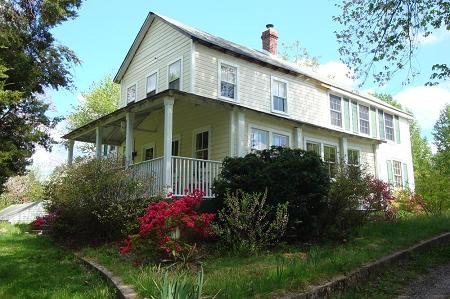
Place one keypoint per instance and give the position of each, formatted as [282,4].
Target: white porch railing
[189,174]
[151,170]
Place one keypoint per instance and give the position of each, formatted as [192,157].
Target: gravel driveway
[433,285]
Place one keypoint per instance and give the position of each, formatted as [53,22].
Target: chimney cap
[269,26]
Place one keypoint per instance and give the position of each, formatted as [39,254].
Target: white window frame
[126,93]
[393,127]
[327,144]
[309,140]
[322,142]
[359,155]
[157,81]
[359,119]
[181,71]
[250,138]
[219,80]
[271,131]
[194,136]
[341,127]
[273,78]
[394,175]
[147,146]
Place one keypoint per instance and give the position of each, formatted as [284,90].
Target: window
[313,147]
[280,140]
[330,159]
[398,179]
[149,153]
[228,81]
[259,139]
[175,75]
[175,147]
[389,126]
[279,95]
[202,145]
[151,84]
[131,93]
[364,120]
[335,110]
[353,157]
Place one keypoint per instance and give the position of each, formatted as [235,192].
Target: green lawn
[392,282]
[32,266]
[292,269]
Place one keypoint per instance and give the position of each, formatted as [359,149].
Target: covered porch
[170,144]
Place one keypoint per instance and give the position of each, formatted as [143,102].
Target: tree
[299,55]
[385,97]
[101,99]
[441,134]
[21,189]
[381,37]
[30,62]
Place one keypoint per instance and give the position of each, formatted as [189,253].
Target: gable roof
[245,52]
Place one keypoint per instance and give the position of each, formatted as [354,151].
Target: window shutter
[381,123]
[389,171]
[397,129]
[405,175]
[373,118]
[355,116]
[347,114]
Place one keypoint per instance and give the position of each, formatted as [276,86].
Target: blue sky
[104,31]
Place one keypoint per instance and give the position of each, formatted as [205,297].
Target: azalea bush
[170,227]
[96,201]
[247,224]
[409,203]
[41,221]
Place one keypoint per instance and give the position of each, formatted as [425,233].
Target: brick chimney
[269,39]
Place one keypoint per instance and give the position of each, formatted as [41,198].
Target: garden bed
[289,268]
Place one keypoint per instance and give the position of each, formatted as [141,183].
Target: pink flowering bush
[44,220]
[170,226]
[380,198]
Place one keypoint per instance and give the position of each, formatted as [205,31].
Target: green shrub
[289,175]
[245,224]
[95,200]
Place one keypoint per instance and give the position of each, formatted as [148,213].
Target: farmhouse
[189,99]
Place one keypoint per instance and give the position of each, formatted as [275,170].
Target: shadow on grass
[32,266]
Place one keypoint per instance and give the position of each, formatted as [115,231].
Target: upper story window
[353,157]
[335,111]
[364,126]
[202,145]
[228,81]
[389,126]
[131,93]
[175,75]
[279,95]
[330,159]
[280,140]
[259,139]
[313,147]
[151,84]
[397,169]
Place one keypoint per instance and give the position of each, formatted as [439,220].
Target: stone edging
[123,291]
[363,273]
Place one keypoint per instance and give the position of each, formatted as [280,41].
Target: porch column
[70,147]
[168,125]
[298,137]
[240,130]
[98,143]
[343,149]
[129,138]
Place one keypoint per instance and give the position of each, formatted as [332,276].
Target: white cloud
[434,38]
[338,72]
[425,102]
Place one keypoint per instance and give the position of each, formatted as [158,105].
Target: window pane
[228,73]
[279,104]
[313,147]
[389,126]
[397,168]
[175,71]
[131,93]
[228,81]
[148,153]
[330,158]
[151,84]
[201,145]
[175,148]
[364,119]
[227,90]
[353,157]
[259,139]
[280,140]
[335,111]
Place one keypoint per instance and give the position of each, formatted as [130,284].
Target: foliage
[171,226]
[95,200]
[30,62]
[299,55]
[21,189]
[289,175]
[407,202]
[247,225]
[101,99]
[180,287]
[380,38]
[385,97]
[441,134]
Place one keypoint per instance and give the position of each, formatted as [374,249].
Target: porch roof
[114,129]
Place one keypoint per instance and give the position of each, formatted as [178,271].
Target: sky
[104,30]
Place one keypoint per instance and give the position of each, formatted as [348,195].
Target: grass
[390,284]
[32,266]
[290,269]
